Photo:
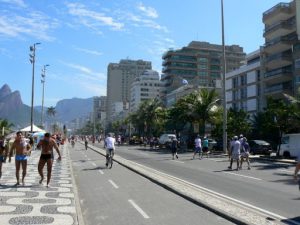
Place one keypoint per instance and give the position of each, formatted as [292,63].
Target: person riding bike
[109,144]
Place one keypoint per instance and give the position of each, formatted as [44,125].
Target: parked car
[211,144]
[165,140]
[260,147]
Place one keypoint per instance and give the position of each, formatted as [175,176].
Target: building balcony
[279,60]
[281,11]
[280,28]
[280,75]
[276,91]
[280,44]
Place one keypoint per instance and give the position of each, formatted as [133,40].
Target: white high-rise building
[243,85]
[119,79]
[146,86]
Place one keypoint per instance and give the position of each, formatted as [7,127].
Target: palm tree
[5,126]
[51,112]
[202,106]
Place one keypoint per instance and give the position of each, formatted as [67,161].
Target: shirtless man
[47,156]
[22,151]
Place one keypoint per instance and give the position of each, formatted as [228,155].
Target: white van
[290,145]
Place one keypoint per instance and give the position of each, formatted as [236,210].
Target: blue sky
[80,38]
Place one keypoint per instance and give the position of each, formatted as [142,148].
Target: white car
[165,139]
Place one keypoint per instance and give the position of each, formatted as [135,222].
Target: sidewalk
[35,203]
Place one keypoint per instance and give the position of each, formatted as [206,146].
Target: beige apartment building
[119,79]
[199,63]
[281,52]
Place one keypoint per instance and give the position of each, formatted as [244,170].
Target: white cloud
[148,11]
[92,19]
[34,24]
[19,3]
[88,51]
[85,72]
[138,22]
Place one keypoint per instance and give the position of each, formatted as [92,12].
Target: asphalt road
[120,196]
[268,185]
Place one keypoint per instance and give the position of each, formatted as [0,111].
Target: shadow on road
[95,168]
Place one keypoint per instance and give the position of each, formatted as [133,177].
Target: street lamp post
[32,61]
[43,82]
[223,83]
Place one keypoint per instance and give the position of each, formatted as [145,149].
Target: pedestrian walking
[245,153]
[198,147]
[47,144]
[174,147]
[236,152]
[297,169]
[205,147]
[2,154]
[23,150]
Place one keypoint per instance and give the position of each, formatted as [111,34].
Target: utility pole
[224,83]
[43,82]
[32,61]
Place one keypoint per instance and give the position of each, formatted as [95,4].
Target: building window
[235,82]
[243,80]
[297,64]
[258,75]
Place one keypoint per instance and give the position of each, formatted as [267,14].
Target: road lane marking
[254,178]
[113,184]
[176,161]
[94,164]
[219,160]
[287,171]
[138,209]
[100,171]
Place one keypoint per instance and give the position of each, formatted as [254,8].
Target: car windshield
[261,142]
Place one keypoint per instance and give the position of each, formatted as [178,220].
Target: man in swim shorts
[23,150]
[47,144]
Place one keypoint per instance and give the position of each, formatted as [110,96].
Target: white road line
[219,160]
[100,171]
[287,171]
[113,184]
[94,164]
[236,174]
[138,209]
[177,161]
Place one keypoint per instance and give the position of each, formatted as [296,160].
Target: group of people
[200,147]
[22,150]
[239,150]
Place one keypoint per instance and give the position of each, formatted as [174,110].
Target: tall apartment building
[146,86]
[119,78]
[99,108]
[243,85]
[281,52]
[199,63]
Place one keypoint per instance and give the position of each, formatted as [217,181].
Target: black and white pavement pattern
[35,203]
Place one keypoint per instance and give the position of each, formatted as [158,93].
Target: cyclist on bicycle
[109,144]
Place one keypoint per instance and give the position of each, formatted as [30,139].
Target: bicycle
[109,158]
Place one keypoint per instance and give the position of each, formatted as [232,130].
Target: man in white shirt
[198,147]
[110,147]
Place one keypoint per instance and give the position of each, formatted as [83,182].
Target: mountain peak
[4,91]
